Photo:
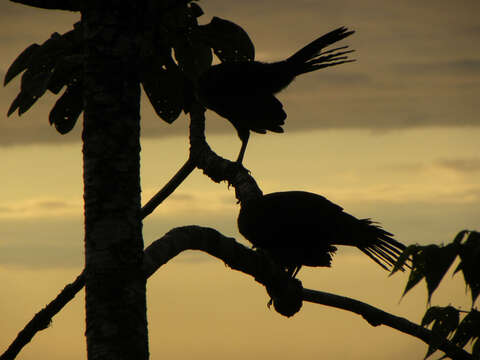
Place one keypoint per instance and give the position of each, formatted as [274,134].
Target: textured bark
[116,326]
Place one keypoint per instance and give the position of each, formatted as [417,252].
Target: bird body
[299,228]
[243,92]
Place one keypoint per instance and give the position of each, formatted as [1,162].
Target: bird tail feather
[384,250]
[310,57]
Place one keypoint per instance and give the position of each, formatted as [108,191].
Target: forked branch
[241,258]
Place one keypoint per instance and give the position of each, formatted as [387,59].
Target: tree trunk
[116,325]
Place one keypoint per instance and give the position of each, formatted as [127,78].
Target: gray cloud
[51,204]
[182,196]
[41,242]
[416,65]
[405,167]
[466,165]
[466,66]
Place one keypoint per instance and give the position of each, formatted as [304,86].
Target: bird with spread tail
[244,92]
[298,228]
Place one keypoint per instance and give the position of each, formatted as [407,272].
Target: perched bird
[243,92]
[299,228]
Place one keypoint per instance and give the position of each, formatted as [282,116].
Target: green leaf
[67,109]
[445,321]
[470,258]
[228,40]
[164,89]
[20,63]
[468,329]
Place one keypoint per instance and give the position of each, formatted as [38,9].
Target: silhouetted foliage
[431,262]
[168,83]
[51,66]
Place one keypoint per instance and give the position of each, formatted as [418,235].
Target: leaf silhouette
[39,61]
[196,9]
[445,321]
[164,89]
[476,349]
[468,329]
[228,40]
[459,237]
[20,63]
[470,258]
[405,256]
[438,260]
[417,271]
[67,109]
[67,68]
[194,57]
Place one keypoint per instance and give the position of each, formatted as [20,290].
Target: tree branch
[43,318]
[248,261]
[169,188]
[70,5]
[217,168]
[376,317]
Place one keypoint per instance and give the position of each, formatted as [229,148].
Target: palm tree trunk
[116,325]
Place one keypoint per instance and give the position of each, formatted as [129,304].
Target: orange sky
[393,136]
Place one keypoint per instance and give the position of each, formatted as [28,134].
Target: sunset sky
[394,136]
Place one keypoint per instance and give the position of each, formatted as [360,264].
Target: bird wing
[301,228]
[257,112]
[289,226]
[292,213]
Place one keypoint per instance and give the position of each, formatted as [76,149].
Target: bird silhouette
[243,92]
[297,228]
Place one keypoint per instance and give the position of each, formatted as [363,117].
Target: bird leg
[244,138]
[296,270]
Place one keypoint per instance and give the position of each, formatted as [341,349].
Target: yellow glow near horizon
[393,136]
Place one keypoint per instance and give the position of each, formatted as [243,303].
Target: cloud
[465,66]
[182,196]
[206,203]
[432,194]
[405,167]
[425,86]
[463,165]
[41,208]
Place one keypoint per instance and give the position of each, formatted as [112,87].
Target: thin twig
[169,188]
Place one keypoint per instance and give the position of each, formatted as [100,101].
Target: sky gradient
[393,136]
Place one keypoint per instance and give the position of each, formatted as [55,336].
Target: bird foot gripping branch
[286,296]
